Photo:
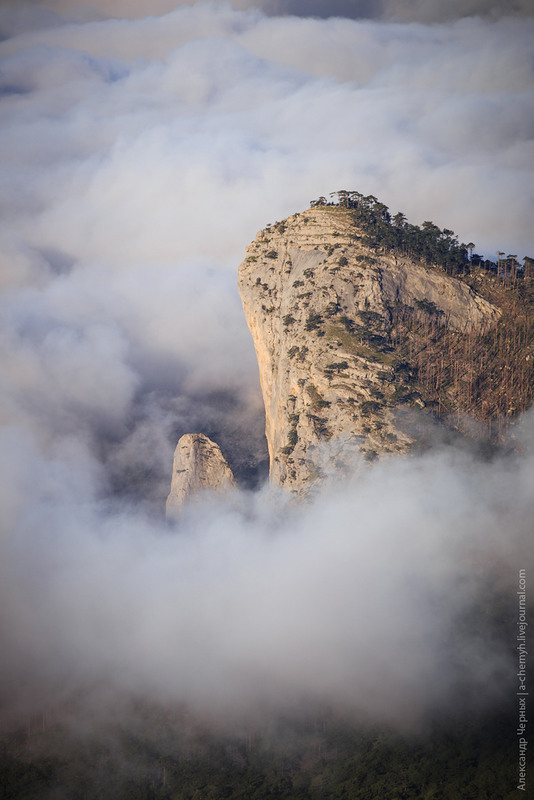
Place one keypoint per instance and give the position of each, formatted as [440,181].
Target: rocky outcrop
[321,308]
[198,465]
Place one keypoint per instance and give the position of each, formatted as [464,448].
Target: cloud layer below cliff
[376,600]
[139,157]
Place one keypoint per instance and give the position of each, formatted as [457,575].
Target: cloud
[405,10]
[420,11]
[400,10]
[134,115]
[248,604]
[140,156]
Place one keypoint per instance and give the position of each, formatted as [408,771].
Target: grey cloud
[350,601]
[140,156]
[354,9]
[430,12]
[403,10]
[350,98]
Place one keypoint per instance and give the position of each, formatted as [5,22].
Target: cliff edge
[328,315]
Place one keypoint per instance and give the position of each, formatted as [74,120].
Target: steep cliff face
[324,311]
[198,465]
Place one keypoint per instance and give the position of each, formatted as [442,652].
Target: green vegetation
[351,341]
[320,758]
[332,309]
[347,323]
[313,321]
[292,437]
[370,407]
[336,366]
[426,243]
[302,354]
[370,318]
[489,375]
[319,426]
[427,306]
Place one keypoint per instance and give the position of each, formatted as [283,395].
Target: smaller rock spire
[198,465]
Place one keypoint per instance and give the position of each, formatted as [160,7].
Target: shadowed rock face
[320,307]
[198,465]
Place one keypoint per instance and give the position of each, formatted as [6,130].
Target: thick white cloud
[350,601]
[209,97]
[139,157]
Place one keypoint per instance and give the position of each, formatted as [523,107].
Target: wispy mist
[140,154]
[370,599]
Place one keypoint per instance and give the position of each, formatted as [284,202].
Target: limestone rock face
[321,307]
[198,465]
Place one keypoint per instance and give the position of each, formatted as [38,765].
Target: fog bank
[140,155]
[377,598]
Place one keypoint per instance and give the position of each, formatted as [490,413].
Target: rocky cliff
[328,316]
[198,465]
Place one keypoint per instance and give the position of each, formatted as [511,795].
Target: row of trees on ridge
[426,243]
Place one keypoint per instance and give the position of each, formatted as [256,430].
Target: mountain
[372,335]
[358,336]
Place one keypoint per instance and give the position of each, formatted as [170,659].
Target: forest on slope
[488,377]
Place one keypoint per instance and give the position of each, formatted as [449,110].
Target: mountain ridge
[369,330]
[319,303]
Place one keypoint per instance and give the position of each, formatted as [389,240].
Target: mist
[140,155]
[358,600]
